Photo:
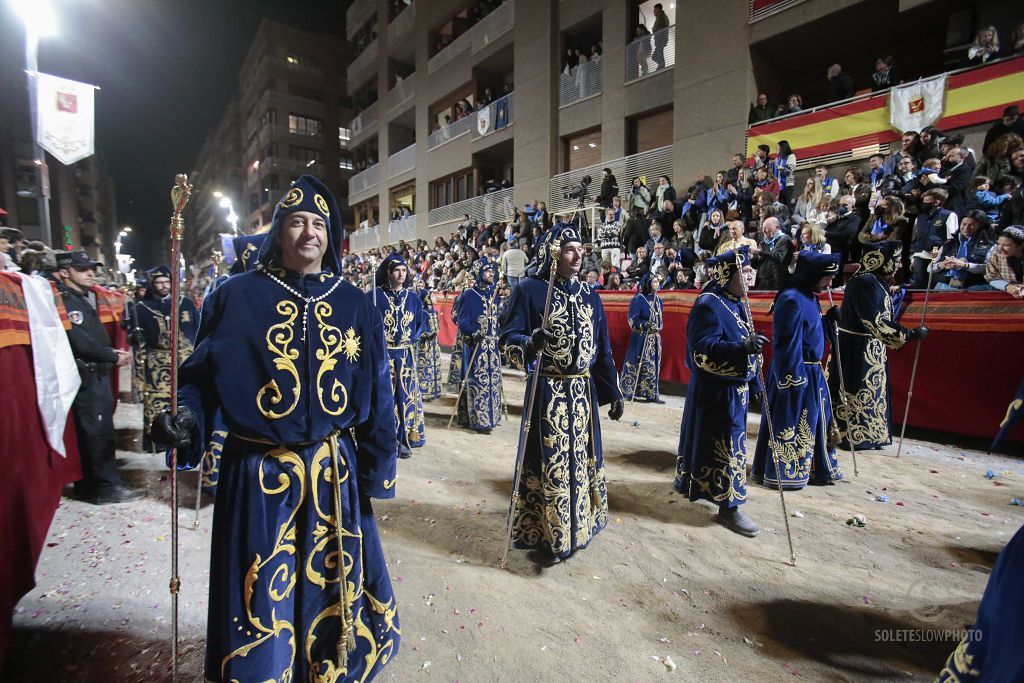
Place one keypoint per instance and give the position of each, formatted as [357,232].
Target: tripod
[579,218]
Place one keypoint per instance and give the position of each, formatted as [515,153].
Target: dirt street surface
[662,594]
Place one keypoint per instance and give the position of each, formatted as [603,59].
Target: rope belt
[556,375]
[400,346]
[858,334]
[346,636]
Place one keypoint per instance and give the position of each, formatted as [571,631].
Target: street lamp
[40,22]
[225,203]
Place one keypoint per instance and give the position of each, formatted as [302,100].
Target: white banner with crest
[65,116]
[917,105]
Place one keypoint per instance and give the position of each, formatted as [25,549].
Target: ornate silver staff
[524,432]
[913,370]
[180,194]
[842,390]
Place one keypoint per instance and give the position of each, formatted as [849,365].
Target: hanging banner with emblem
[65,117]
[918,105]
[483,121]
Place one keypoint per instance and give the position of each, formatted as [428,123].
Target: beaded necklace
[306,300]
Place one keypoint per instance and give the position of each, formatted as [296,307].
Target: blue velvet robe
[428,358]
[454,380]
[991,649]
[481,400]
[641,371]
[404,324]
[867,328]
[712,455]
[296,410]
[798,398]
[562,501]
[154,319]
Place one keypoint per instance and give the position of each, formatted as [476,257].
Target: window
[269,118]
[304,125]
[304,154]
[454,188]
[344,135]
[270,150]
[346,164]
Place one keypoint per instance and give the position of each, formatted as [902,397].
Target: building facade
[674,100]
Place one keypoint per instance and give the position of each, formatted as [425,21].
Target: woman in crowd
[613,282]
[642,40]
[812,238]
[1004,270]
[743,194]
[710,235]
[984,48]
[765,182]
[617,205]
[664,191]
[682,238]
[640,265]
[784,167]
[808,200]
[855,186]
[639,197]
[716,196]
[929,148]
[961,260]
[995,163]
[886,75]
[794,103]
[887,222]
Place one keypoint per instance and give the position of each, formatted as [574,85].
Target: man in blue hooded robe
[428,352]
[800,433]
[479,406]
[295,360]
[562,500]
[404,323]
[641,370]
[720,353]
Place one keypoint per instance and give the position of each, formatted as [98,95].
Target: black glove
[173,431]
[137,338]
[832,315]
[478,336]
[920,333]
[615,409]
[540,339]
[755,343]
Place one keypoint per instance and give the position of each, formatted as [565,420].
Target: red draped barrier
[970,367]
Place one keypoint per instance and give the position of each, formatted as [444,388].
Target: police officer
[93,409]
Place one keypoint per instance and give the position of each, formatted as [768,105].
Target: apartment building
[675,102]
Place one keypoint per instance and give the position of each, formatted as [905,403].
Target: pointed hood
[550,244]
[387,265]
[307,193]
[881,258]
[811,266]
[721,269]
[246,249]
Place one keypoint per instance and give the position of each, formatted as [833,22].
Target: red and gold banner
[972,97]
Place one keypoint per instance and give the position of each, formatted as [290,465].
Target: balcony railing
[451,131]
[403,91]
[649,164]
[401,24]
[367,118]
[495,116]
[489,208]
[364,239]
[401,161]
[482,34]
[759,9]
[356,15]
[450,51]
[580,83]
[364,180]
[651,53]
[365,60]
[402,229]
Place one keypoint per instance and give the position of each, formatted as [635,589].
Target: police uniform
[93,408]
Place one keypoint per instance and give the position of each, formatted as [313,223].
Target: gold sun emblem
[350,344]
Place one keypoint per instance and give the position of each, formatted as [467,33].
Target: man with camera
[93,409]
[609,189]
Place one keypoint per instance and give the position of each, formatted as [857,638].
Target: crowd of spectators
[985,48]
[953,208]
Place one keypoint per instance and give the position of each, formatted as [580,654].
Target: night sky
[167,70]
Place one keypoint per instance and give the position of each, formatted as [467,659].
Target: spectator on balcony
[609,236]
[929,149]
[947,144]
[634,232]
[595,53]
[742,193]
[762,157]
[808,200]
[811,238]
[1016,45]
[658,260]
[1017,165]
[739,162]
[591,258]
[759,110]
[794,103]
[716,196]
[663,218]
[876,172]
[541,217]
[660,36]
[1012,212]
[709,235]
[664,191]
[840,85]
[657,236]
[853,184]
[642,41]
[887,222]
[639,197]
[985,47]
[783,169]
[886,75]
[581,57]
[768,206]
[822,211]
[962,259]
[842,228]
[995,161]
[613,282]
[639,267]
[609,189]
[1003,270]
[732,238]
[771,255]
[571,61]
[682,279]
[982,197]
[682,237]
[910,143]
[957,179]
[933,226]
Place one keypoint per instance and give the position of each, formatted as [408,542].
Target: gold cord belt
[400,346]
[859,334]
[556,375]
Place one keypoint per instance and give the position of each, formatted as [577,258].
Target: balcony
[364,180]
[759,9]
[294,167]
[650,164]
[366,118]
[402,24]
[651,54]
[401,161]
[356,16]
[286,104]
[364,64]
[451,131]
[291,64]
[482,34]
[499,115]
[489,208]
[579,84]
[403,91]
[364,239]
[861,126]
[402,229]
